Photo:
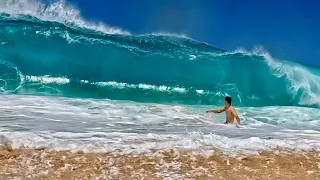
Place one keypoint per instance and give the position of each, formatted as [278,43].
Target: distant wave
[51,50]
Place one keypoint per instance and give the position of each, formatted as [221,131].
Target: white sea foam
[300,80]
[192,57]
[58,11]
[161,88]
[125,127]
[15,72]
[168,34]
[199,91]
[64,80]
[119,85]
[48,79]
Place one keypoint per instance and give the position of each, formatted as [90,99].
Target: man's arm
[216,111]
[234,112]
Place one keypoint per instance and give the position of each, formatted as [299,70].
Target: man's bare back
[231,113]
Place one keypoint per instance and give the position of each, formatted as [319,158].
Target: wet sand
[25,163]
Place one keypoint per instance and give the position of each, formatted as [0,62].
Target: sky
[288,29]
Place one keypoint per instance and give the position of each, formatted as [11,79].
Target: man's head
[227,100]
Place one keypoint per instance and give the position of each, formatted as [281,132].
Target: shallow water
[125,127]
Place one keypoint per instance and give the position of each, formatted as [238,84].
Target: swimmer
[231,113]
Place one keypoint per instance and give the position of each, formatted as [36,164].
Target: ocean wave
[69,84]
[301,82]
[58,11]
[43,51]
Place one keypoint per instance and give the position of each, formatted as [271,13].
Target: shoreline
[28,163]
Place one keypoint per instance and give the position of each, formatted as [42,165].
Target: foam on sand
[170,164]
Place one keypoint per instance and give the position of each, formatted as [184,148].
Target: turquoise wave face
[50,58]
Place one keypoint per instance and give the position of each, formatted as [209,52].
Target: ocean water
[68,84]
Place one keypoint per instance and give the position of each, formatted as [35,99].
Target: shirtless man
[230,111]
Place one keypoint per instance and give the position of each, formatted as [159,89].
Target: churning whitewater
[70,84]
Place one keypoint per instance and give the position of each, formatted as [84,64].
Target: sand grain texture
[25,163]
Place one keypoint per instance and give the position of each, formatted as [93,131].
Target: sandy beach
[35,164]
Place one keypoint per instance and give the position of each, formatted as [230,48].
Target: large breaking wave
[51,50]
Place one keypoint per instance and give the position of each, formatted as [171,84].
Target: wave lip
[301,82]
[58,11]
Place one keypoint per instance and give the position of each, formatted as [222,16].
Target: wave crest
[301,82]
[58,11]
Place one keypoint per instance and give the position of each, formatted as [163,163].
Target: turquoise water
[64,80]
[84,63]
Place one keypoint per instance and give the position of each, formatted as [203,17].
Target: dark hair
[228,99]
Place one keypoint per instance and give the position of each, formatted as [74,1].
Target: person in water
[231,113]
